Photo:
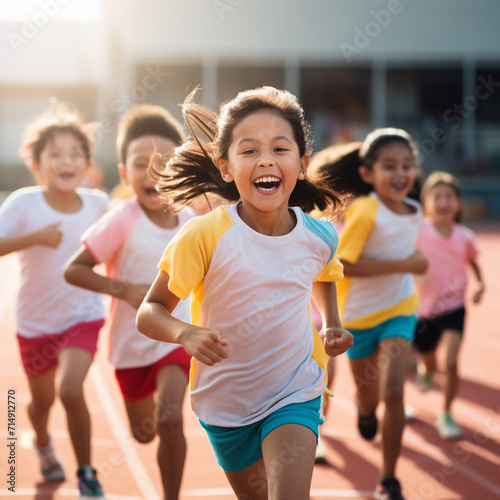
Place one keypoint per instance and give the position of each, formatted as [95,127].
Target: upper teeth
[267,179]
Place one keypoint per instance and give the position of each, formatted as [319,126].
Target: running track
[429,468]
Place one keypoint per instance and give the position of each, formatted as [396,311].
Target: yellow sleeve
[187,257]
[333,271]
[359,221]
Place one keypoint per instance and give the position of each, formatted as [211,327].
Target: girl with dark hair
[377,299]
[259,367]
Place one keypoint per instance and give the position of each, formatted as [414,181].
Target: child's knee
[170,423]
[70,395]
[393,396]
[451,364]
[143,436]
[41,405]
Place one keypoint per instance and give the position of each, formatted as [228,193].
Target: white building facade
[431,67]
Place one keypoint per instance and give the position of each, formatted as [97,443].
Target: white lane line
[26,438]
[448,464]
[487,419]
[123,437]
[59,492]
[322,493]
[328,493]
[424,447]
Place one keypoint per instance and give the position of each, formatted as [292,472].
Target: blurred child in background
[451,250]
[130,241]
[57,324]
[377,298]
[320,166]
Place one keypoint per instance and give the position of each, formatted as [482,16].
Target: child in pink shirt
[451,249]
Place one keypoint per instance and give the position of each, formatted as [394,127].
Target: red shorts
[39,354]
[138,383]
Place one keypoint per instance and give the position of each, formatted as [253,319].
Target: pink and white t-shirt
[131,245]
[442,288]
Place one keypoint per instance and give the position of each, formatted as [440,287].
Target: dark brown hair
[192,171]
[339,165]
[43,129]
[443,179]
[146,119]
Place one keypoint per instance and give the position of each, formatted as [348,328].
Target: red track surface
[429,468]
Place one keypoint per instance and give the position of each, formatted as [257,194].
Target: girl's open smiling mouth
[267,183]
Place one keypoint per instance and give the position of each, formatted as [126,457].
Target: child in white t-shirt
[378,300]
[259,366]
[57,324]
[130,241]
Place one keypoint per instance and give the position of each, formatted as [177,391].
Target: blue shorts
[367,341]
[236,448]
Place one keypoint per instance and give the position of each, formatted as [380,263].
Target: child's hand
[417,263]
[49,236]
[205,345]
[337,341]
[134,293]
[478,293]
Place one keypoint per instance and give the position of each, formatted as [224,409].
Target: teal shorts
[236,448]
[367,341]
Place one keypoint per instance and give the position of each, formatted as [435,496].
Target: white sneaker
[320,456]
[409,413]
[424,382]
[49,463]
[447,427]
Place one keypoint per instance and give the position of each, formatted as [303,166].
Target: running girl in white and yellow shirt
[377,299]
[259,367]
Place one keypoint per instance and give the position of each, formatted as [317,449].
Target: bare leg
[451,343]
[428,361]
[42,398]
[249,483]
[366,375]
[141,418]
[394,357]
[171,382]
[330,369]
[288,454]
[74,364]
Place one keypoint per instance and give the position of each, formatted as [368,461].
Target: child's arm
[79,271]
[479,289]
[337,340]
[49,236]
[416,264]
[154,320]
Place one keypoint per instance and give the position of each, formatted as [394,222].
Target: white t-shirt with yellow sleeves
[374,231]
[256,289]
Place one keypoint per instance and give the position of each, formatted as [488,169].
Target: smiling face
[392,174]
[442,204]
[135,171]
[62,164]
[263,160]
